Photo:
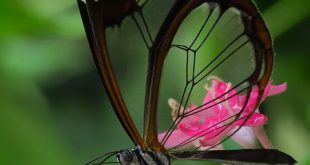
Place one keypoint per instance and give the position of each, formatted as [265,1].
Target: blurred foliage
[54,110]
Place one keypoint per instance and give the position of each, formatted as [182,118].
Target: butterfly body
[137,156]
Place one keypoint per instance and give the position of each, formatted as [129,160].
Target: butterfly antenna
[105,156]
[104,160]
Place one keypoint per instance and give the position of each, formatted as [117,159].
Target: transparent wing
[197,44]
[214,74]
[98,16]
[120,35]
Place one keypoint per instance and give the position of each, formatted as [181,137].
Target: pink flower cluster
[216,117]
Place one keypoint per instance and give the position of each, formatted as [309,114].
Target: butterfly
[230,41]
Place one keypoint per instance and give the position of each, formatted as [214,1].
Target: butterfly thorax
[137,156]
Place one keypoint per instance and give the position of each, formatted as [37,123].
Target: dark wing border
[245,156]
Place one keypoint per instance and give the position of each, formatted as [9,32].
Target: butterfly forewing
[97,16]
[126,41]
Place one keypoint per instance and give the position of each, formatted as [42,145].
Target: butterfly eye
[127,156]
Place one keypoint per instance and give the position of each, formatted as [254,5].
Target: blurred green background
[53,108]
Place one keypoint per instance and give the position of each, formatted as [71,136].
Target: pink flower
[217,117]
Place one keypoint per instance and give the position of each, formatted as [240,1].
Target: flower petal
[214,136]
[277,89]
[190,126]
[176,138]
[245,137]
[262,137]
[257,119]
[206,126]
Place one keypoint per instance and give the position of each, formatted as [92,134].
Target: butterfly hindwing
[231,42]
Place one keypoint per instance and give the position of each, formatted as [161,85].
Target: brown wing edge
[255,27]
[260,36]
[245,156]
[95,30]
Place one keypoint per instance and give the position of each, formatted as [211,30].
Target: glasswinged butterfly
[197,42]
